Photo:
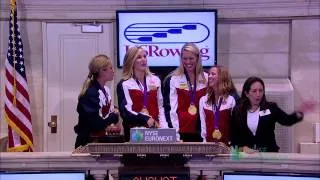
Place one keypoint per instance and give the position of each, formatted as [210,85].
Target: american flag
[17,103]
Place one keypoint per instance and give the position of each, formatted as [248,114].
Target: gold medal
[216,134]
[145,111]
[192,109]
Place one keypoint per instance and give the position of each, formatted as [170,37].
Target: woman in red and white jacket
[216,106]
[182,90]
[139,94]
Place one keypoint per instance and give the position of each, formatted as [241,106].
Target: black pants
[82,140]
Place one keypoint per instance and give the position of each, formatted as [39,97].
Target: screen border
[168,11]
[257,173]
[46,172]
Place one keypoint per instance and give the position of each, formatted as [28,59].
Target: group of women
[201,106]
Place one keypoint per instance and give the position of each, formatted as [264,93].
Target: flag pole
[13,8]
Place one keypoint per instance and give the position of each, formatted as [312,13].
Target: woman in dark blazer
[95,107]
[254,118]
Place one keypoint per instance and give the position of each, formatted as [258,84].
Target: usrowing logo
[166,33]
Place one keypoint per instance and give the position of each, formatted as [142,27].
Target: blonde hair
[97,63]
[225,84]
[129,60]
[191,47]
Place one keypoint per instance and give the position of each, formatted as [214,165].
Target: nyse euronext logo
[137,136]
[166,33]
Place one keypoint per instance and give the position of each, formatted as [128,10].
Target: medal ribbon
[216,113]
[192,91]
[144,89]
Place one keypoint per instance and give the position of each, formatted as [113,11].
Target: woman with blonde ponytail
[95,108]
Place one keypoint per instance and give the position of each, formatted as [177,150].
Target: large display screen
[162,33]
[42,176]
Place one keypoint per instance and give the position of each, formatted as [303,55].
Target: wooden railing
[211,166]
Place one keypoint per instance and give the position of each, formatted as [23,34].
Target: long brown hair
[225,85]
[245,104]
[199,69]
[97,63]
[244,100]
[129,60]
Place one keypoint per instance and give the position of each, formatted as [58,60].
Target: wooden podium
[161,161]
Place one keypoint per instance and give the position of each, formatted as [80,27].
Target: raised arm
[283,118]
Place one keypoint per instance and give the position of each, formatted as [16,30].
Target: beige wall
[255,37]
[305,71]
[249,48]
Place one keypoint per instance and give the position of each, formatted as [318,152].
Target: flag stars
[21,63]
[21,69]
[15,62]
